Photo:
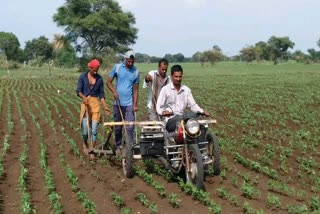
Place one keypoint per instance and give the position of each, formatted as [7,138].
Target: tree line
[101,29]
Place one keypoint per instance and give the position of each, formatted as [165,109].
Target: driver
[174,98]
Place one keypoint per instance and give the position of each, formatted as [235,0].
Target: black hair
[176,68]
[164,61]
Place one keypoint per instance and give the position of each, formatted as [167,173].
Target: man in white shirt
[154,81]
[175,97]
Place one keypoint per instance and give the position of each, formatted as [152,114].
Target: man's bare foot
[92,156]
[91,151]
[85,149]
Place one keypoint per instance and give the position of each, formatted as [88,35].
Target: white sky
[185,26]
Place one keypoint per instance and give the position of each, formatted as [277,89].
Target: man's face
[163,69]
[94,71]
[177,78]
[129,62]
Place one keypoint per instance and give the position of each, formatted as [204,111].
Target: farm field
[268,129]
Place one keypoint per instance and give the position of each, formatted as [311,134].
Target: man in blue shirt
[90,89]
[125,94]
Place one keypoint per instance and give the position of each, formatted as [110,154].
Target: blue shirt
[126,78]
[83,86]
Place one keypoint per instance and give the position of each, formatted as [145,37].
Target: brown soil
[102,177]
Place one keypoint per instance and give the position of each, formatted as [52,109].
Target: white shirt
[152,86]
[176,101]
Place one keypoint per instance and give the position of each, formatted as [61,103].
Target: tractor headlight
[192,127]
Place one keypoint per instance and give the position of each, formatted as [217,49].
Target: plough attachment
[106,148]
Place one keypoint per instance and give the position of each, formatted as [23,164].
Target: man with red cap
[90,88]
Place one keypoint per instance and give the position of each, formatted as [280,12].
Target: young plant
[315,205]
[234,200]
[214,208]
[247,209]
[125,210]
[153,208]
[223,192]
[117,199]
[223,174]
[249,191]
[273,201]
[142,198]
[234,181]
[300,208]
[174,201]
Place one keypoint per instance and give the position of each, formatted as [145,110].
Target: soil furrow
[129,187]
[9,182]
[63,188]
[36,184]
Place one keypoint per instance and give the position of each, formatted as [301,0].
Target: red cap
[94,64]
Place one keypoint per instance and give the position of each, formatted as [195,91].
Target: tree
[207,56]
[98,24]
[318,42]
[217,54]
[58,41]
[248,53]
[38,48]
[258,53]
[154,59]
[298,55]
[9,45]
[179,57]
[169,57]
[142,58]
[314,55]
[279,46]
[211,56]
[216,48]
[196,57]
[203,57]
[64,53]
[66,58]
[263,50]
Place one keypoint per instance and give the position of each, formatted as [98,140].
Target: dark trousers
[128,115]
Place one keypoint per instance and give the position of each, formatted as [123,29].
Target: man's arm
[79,85]
[193,105]
[135,96]
[111,88]
[84,98]
[106,109]
[147,80]
[161,102]
[80,90]
[102,98]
